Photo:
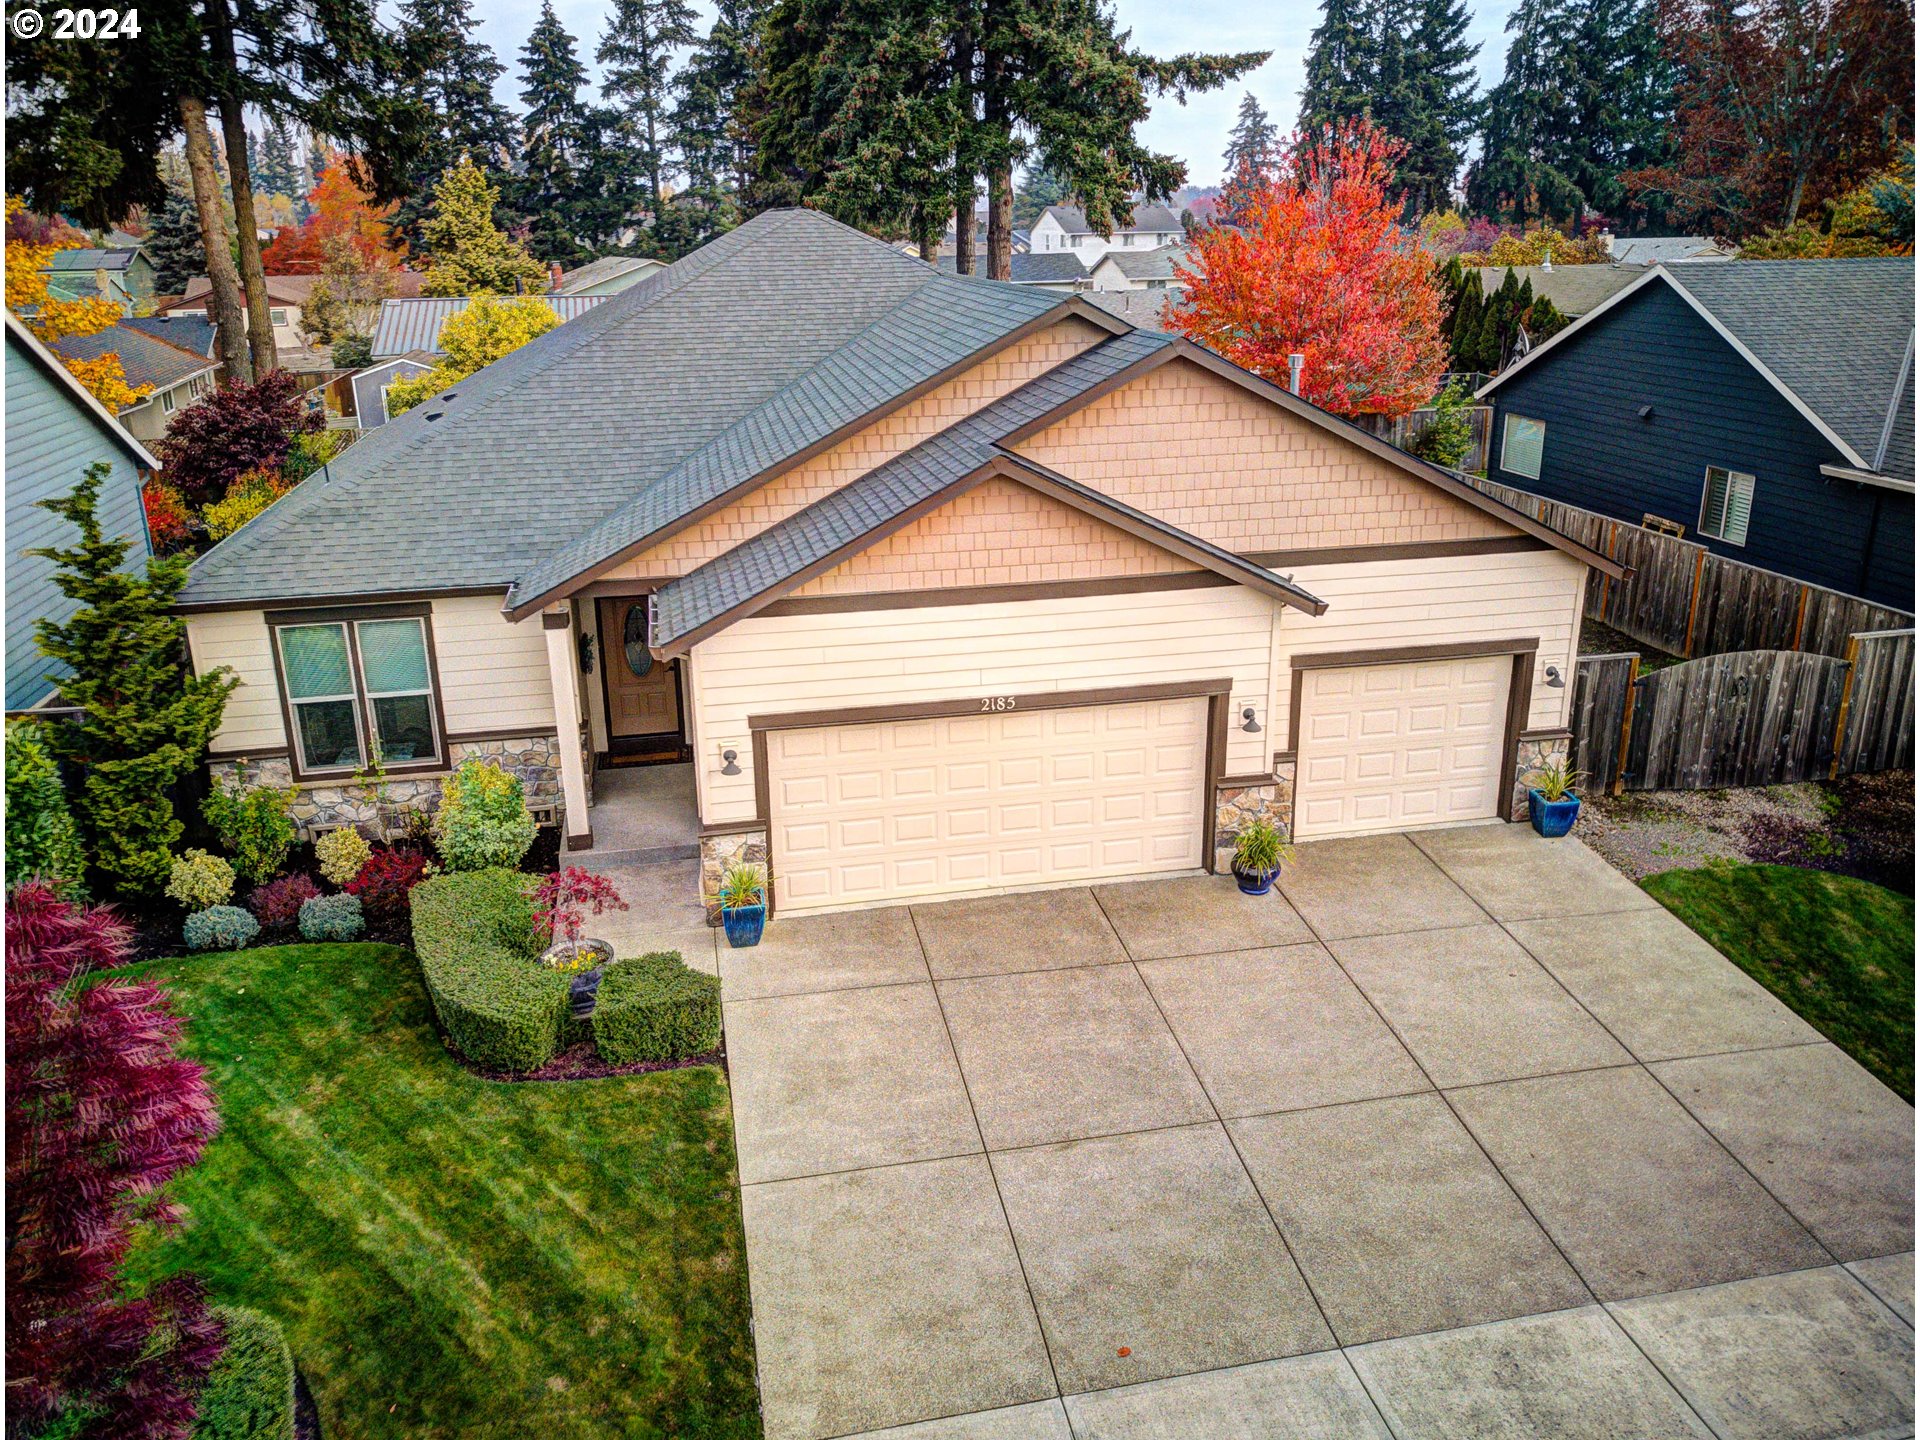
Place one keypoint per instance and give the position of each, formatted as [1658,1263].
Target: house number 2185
[997,702]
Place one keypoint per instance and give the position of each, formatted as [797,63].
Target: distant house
[1140,269]
[1142,309]
[407,327]
[1062,227]
[55,430]
[608,275]
[173,375]
[1763,408]
[370,386]
[1064,272]
[123,275]
[1665,249]
[287,297]
[1574,289]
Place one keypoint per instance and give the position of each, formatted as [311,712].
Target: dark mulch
[306,1414]
[1865,830]
[579,1062]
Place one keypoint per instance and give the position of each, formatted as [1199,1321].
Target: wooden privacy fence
[1752,717]
[1402,430]
[1685,600]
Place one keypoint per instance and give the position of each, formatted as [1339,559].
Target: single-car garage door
[1396,747]
[905,809]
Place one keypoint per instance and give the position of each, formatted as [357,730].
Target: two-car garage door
[905,809]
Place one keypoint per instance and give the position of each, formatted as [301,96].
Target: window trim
[1506,430]
[350,616]
[1706,492]
[167,402]
[278,317]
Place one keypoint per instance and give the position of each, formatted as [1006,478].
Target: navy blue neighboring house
[1764,408]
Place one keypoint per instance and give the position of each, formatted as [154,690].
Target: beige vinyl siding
[493,675]
[774,663]
[1390,604]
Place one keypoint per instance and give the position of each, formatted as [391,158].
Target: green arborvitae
[708,126]
[147,720]
[1343,61]
[450,75]
[1039,189]
[1252,140]
[549,189]
[637,53]
[42,840]
[173,245]
[467,254]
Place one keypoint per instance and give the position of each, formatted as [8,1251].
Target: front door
[643,694]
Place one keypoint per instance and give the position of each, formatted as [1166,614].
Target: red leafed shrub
[215,441]
[386,879]
[101,1113]
[169,521]
[566,897]
[278,902]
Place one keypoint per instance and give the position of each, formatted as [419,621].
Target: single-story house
[608,275]
[1761,408]
[122,274]
[1065,227]
[173,376]
[1141,269]
[944,585]
[55,431]
[409,326]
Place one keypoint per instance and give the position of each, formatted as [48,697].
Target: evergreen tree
[637,51]
[452,75]
[714,144]
[1442,107]
[147,721]
[1039,189]
[1342,61]
[276,169]
[1253,138]
[467,254]
[173,245]
[547,190]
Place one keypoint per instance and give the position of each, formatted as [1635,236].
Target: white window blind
[1727,505]
[1521,443]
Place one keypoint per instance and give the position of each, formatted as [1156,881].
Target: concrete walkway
[1463,1137]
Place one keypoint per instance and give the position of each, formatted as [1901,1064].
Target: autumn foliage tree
[101,1112]
[51,318]
[213,442]
[488,329]
[342,215]
[1320,265]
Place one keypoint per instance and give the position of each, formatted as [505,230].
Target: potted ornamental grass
[742,898]
[1552,802]
[1258,853]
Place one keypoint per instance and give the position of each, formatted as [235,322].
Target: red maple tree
[1319,265]
[565,898]
[101,1112]
[342,212]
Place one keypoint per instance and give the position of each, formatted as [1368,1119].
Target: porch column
[558,621]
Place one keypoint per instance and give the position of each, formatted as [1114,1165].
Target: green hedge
[655,1008]
[478,943]
[249,1394]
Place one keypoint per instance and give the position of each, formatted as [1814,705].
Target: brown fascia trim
[1228,782]
[1072,306]
[1404,550]
[556,621]
[732,827]
[1404,654]
[1561,733]
[336,614]
[334,603]
[1182,349]
[992,704]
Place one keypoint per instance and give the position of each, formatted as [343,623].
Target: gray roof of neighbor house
[190,332]
[598,434]
[1666,249]
[1153,219]
[290,289]
[114,259]
[146,359]
[1156,264]
[1146,309]
[1574,289]
[406,325]
[1056,267]
[598,272]
[802,542]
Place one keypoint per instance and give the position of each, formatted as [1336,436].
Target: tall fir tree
[637,51]
[714,143]
[452,75]
[1443,109]
[1253,139]
[276,168]
[548,187]
[1342,61]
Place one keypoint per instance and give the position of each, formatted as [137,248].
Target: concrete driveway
[1462,1137]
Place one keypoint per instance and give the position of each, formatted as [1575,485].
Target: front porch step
[656,855]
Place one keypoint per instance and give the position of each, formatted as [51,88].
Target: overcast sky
[1196,132]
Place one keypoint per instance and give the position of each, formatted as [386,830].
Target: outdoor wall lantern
[1250,725]
[586,652]
[1554,682]
[731,762]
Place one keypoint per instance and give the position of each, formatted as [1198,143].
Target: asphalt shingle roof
[753,346]
[1574,289]
[1155,219]
[1835,332]
[146,359]
[189,332]
[1055,267]
[1155,264]
[607,267]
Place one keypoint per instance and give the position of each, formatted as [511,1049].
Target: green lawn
[1838,950]
[453,1257]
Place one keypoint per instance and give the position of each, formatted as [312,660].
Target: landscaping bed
[452,1257]
[1839,950]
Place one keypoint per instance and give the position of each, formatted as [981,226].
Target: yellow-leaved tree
[487,329]
[52,318]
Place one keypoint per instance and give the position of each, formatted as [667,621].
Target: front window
[1726,505]
[1521,443]
[359,687]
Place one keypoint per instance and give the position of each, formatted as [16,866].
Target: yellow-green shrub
[341,853]
[199,880]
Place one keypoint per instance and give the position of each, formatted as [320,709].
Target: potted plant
[1258,852]
[562,902]
[743,904]
[1552,804]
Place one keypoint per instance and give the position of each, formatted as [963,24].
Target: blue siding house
[55,430]
[1764,408]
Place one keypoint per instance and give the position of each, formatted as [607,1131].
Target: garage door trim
[1215,692]
[1523,649]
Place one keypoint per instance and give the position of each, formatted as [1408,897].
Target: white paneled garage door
[905,809]
[1396,747]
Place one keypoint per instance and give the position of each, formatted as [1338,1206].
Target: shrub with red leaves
[215,441]
[101,1112]
[386,879]
[277,903]
[169,521]
[565,898]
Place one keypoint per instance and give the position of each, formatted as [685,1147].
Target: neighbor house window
[279,317]
[1726,505]
[167,402]
[1521,441]
[359,687]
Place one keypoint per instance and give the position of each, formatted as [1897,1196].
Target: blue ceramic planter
[1254,882]
[744,925]
[1552,818]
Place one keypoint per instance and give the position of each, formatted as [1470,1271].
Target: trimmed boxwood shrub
[331,917]
[220,927]
[479,947]
[249,1392]
[655,1008]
